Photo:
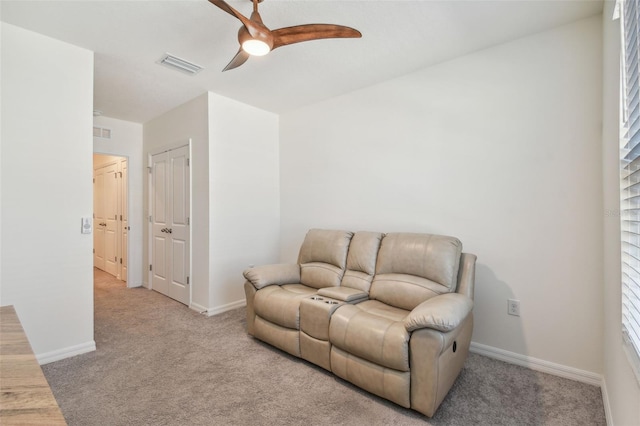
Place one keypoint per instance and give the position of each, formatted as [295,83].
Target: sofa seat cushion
[281,304]
[372,331]
[376,307]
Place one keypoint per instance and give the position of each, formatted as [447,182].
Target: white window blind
[630,177]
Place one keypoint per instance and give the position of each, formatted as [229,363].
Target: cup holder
[316,298]
[331,302]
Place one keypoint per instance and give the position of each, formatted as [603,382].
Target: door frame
[150,154]
[110,154]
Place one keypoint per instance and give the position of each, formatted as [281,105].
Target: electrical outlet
[513,307]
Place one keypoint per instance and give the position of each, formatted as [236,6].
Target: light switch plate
[86,226]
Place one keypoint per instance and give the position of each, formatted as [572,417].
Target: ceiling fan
[258,40]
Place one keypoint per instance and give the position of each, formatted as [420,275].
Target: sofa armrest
[277,274]
[467,274]
[442,313]
[345,294]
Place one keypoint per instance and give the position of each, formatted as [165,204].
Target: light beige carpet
[160,363]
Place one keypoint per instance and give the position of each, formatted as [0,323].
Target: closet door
[170,252]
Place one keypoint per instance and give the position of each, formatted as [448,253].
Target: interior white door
[170,257]
[124,182]
[160,236]
[111,208]
[179,221]
[99,221]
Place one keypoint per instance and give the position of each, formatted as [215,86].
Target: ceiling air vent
[179,64]
[100,132]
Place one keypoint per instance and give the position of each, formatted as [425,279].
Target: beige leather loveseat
[390,313]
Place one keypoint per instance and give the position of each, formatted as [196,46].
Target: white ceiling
[399,37]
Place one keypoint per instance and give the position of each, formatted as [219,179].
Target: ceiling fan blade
[254,28]
[240,58]
[300,33]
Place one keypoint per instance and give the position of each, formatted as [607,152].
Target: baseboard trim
[218,309]
[63,353]
[605,401]
[198,308]
[227,307]
[538,364]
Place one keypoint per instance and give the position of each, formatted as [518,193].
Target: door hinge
[120,217]
[115,175]
[120,174]
[187,280]
[188,221]
[150,219]
[94,180]
[121,261]
[149,169]
[187,162]
[151,267]
[94,251]
[115,259]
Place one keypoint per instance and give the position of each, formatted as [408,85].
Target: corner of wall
[244,173]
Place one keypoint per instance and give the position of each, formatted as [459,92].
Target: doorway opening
[111,215]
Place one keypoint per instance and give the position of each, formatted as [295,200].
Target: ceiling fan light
[256,47]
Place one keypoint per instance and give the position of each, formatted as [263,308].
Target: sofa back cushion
[323,257]
[361,260]
[412,268]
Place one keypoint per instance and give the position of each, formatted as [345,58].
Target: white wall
[244,195]
[621,389]
[500,148]
[47,272]
[126,141]
[187,121]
